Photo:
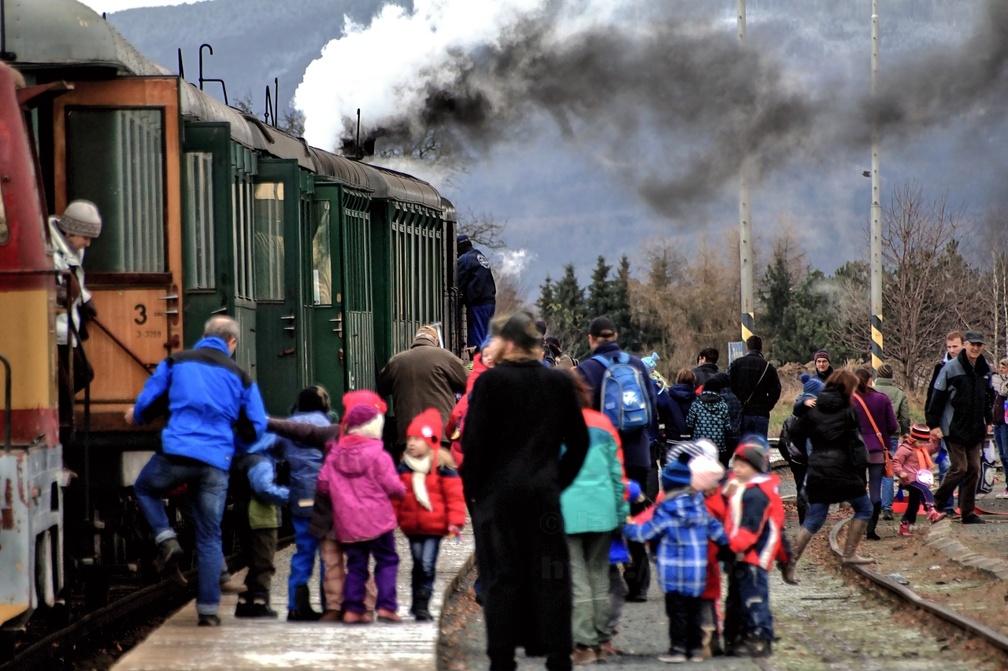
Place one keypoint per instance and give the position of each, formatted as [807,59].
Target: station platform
[180,645]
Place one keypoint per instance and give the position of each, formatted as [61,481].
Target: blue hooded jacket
[305,463]
[208,399]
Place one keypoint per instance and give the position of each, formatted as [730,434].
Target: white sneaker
[674,658]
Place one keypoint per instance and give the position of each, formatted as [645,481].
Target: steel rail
[954,618]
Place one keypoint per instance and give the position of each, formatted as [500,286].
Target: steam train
[328,264]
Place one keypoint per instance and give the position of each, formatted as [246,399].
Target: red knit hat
[428,426]
[920,432]
[361,407]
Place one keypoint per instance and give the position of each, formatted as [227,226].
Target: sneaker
[385,615]
[973,518]
[1002,495]
[887,514]
[758,647]
[608,650]
[672,658]
[904,529]
[208,621]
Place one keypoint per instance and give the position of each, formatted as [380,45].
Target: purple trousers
[386,564]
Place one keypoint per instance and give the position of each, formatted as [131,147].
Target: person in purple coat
[876,432]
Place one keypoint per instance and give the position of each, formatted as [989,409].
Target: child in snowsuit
[360,479]
[433,507]
[257,466]
[912,465]
[754,522]
[305,463]
[682,526]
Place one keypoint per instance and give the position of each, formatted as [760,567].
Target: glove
[725,554]
[633,490]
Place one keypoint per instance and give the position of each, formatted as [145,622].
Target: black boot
[876,511]
[250,605]
[421,603]
[303,612]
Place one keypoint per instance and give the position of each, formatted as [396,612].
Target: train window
[241,198]
[115,157]
[321,280]
[269,241]
[199,272]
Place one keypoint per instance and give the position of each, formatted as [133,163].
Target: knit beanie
[821,354]
[364,420]
[705,472]
[676,474]
[920,432]
[754,449]
[811,384]
[428,427]
[81,218]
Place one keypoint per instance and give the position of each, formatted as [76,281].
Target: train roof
[44,33]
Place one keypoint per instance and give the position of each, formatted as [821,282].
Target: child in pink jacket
[912,466]
[360,479]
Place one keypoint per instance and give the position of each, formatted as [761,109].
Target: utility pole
[877,353]
[745,217]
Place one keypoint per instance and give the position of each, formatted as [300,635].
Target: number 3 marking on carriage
[141,314]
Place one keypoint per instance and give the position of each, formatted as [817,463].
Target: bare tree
[995,242]
[926,294]
[483,229]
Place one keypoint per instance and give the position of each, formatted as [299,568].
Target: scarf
[420,467]
[923,457]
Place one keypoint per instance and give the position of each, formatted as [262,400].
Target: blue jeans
[755,424]
[887,483]
[207,490]
[1001,440]
[815,518]
[747,605]
[303,559]
[943,463]
[425,552]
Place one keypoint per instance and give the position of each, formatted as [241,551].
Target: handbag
[878,434]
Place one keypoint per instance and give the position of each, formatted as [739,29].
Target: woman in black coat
[524,442]
[837,464]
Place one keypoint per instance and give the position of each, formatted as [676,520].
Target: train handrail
[8,411]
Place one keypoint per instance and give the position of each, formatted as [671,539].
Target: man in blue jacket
[208,399]
[478,289]
[637,461]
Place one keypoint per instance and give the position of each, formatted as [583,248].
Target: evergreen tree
[599,293]
[545,302]
[568,320]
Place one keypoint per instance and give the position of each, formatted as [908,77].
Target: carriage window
[242,204]
[116,159]
[199,272]
[269,242]
[321,280]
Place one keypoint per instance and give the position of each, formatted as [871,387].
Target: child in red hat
[433,507]
[912,465]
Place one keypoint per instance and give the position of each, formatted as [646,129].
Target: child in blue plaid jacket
[682,526]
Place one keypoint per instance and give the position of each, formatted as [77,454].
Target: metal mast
[745,218]
[877,353]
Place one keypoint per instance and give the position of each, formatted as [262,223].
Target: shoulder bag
[878,434]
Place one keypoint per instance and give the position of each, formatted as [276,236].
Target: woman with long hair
[878,425]
[837,465]
[524,442]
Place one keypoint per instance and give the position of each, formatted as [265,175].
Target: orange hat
[428,426]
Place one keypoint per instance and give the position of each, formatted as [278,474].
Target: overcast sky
[110,6]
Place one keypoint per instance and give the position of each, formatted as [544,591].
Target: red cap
[428,426]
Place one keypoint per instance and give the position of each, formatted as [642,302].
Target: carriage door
[324,290]
[116,143]
[277,283]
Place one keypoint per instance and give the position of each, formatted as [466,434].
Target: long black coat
[837,466]
[513,473]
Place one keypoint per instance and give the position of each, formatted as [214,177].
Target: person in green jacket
[898,398]
[593,506]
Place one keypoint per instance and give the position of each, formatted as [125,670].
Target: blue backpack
[623,393]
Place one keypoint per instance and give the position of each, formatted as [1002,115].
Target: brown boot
[800,541]
[855,532]
[385,615]
[353,617]
[331,616]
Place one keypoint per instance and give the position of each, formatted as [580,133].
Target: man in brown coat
[424,376]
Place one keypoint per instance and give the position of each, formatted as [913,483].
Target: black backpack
[787,447]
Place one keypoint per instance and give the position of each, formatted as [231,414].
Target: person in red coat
[433,507]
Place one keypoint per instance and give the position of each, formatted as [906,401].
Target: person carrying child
[912,466]
[433,507]
[754,523]
[682,526]
[305,462]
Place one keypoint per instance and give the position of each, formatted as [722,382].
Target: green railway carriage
[328,264]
